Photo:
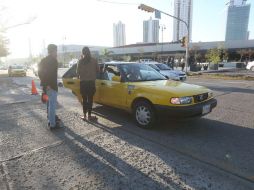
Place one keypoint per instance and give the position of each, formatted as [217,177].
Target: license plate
[206,109]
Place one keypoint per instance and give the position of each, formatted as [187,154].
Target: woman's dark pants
[87,89]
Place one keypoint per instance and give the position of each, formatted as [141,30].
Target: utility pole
[151,10]
[30,49]
[162,29]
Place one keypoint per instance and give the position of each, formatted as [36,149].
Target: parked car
[16,70]
[144,92]
[167,71]
[250,66]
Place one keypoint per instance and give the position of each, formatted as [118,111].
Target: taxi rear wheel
[144,115]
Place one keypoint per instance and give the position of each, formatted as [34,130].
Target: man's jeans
[52,94]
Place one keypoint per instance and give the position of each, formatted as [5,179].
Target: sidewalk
[233,73]
[3,73]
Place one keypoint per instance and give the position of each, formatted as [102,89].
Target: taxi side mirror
[116,78]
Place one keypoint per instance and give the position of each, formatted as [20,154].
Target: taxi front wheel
[144,115]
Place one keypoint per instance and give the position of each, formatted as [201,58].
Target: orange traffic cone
[34,90]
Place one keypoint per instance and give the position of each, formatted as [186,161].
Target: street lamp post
[162,29]
[151,9]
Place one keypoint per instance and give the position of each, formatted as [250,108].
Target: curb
[224,76]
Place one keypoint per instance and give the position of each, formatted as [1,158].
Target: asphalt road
[213,152]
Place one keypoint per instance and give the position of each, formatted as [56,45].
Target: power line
[115,2]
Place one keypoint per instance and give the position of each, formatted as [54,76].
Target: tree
[3,40]
[126,58]
[106,54]
[194,52]
[241,52]
[249,52]
[213,55]
[3,46]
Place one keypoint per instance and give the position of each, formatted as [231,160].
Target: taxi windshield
[140,72]
[17,67]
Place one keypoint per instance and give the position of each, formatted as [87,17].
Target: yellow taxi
[144,92]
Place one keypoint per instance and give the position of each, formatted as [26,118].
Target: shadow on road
[223,145]
[114,172]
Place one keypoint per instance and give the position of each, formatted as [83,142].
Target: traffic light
[184,41]
[146,8]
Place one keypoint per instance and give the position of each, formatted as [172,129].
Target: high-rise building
[237,20]
[237,2]
[183,10]
[151,31]
[119,34]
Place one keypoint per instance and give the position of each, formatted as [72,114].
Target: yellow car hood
[173,87]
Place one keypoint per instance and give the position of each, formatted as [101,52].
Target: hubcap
[143,115]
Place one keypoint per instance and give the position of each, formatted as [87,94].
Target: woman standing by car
[87,69]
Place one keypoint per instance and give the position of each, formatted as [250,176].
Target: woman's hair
[87,54]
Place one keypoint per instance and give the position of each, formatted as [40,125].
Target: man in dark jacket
[47,72]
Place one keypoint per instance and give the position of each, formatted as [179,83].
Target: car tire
[144,114]
[252,68]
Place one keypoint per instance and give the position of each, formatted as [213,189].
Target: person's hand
[48,88]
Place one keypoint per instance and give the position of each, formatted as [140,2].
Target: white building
[183,10]
[151,31]
[119,34]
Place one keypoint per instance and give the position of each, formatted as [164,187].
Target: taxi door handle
[103,84]
[70,82]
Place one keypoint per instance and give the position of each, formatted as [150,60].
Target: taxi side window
[111,71]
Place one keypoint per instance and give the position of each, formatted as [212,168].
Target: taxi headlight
[210,94]
[182,100]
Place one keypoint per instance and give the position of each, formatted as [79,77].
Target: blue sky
[90,22]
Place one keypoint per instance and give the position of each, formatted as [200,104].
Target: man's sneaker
[57,119]
[57,125]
